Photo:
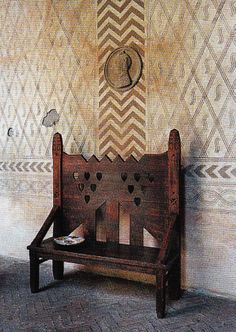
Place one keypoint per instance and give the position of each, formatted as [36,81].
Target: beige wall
[191,86]
[51,57]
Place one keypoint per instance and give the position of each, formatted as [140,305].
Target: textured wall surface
[121,115]
[52,57]
[48,61]
[191,59]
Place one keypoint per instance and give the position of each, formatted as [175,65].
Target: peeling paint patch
[51,118]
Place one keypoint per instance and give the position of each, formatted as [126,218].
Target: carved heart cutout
[86,175]
[130,188]
[137,176]
[87,198]
[99,176]
[81,186]
[124,176]
[76,175]
[93,187]
[137,201]
[151,177]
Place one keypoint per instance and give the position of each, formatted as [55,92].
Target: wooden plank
[112,221]
[121,254]
[90,224]
[54,216]
[136,230]
[57,150]
[98,261]
[57,168]
[106,165]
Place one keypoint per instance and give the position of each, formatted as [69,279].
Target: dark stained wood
[57,151]
[53,216]
[90,223]
[34,272]
[174,151]
[112,221]
[58,269]
[174,232]
[166,243]
[147,190]
[136,230]
[153,183]
[160,293]
[174,285]
[120,254]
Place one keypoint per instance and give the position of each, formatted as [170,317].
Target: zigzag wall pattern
[26,166]
[121,115]
[211,171]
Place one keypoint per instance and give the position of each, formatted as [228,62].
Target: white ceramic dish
[69,240]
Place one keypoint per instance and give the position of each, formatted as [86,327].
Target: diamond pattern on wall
[48,61]
[191,75]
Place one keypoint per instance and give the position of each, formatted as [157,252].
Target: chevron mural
[121,115]
[26,166]
[212,171]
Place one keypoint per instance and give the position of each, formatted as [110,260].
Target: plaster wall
[51,58]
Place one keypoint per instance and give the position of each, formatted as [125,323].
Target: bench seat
[110,254]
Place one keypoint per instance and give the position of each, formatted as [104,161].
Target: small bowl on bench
[69,240]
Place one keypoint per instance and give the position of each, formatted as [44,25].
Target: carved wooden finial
[174,155]
[174,140]
[57,144]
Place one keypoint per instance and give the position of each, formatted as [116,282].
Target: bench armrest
[54,213]
[166,244]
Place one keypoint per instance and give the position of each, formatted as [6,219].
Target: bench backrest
[148,190]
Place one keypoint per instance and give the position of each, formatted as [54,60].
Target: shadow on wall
[191,234]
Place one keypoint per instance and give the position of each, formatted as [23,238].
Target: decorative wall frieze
[210,170]
[210,184]
[26,184]
[211,198]
[26,166]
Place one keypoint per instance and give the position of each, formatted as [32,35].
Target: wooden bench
[83,191]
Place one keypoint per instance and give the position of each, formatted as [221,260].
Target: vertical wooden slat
[57,150]
[136,230]
[90,223]
[174,168]
[174,153]
[112,221]
[100,223]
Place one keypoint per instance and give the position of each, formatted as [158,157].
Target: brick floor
[88,303]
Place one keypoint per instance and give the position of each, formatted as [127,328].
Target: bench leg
[174,281]
[58,270]
[34,273]
[161,294]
